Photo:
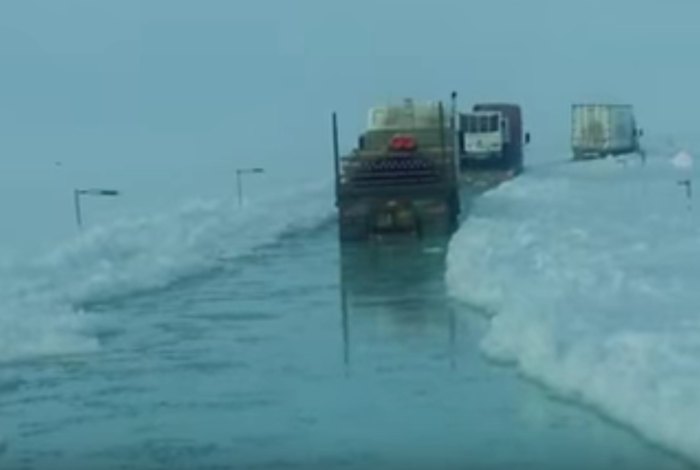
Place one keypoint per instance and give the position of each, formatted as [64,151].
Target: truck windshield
[493,123]
[482,123]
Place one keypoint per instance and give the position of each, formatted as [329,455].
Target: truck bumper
[369,218]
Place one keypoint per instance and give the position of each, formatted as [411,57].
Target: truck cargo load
[600,130]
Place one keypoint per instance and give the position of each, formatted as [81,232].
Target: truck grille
[391,171]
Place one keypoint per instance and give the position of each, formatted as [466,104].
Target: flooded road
[299,355]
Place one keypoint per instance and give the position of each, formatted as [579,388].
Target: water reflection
[394,292]
[414,355]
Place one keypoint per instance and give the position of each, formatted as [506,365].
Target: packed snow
[589,274]
[42,299]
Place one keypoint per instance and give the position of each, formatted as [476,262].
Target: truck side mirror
[527,137]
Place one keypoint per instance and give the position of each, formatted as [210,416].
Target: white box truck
[601,130]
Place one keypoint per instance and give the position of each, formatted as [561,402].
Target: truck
[601,130]
[414,169]
[402,177]
[491,142]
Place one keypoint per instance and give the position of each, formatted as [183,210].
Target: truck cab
[491,138]
[484,134]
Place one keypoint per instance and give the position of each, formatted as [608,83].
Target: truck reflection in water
[418,392]
[395,291]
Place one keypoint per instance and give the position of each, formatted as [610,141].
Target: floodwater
[299,355]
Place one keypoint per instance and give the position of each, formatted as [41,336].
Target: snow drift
[590,272]
[41,298]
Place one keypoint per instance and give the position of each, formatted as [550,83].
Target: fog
[165,99]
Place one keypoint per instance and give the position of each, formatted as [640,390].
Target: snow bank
[40,298]
[591,273]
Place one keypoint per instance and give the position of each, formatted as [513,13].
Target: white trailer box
[598,130]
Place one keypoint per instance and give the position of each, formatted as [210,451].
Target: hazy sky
[169,97]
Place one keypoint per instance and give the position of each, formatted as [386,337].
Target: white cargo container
[599,130]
